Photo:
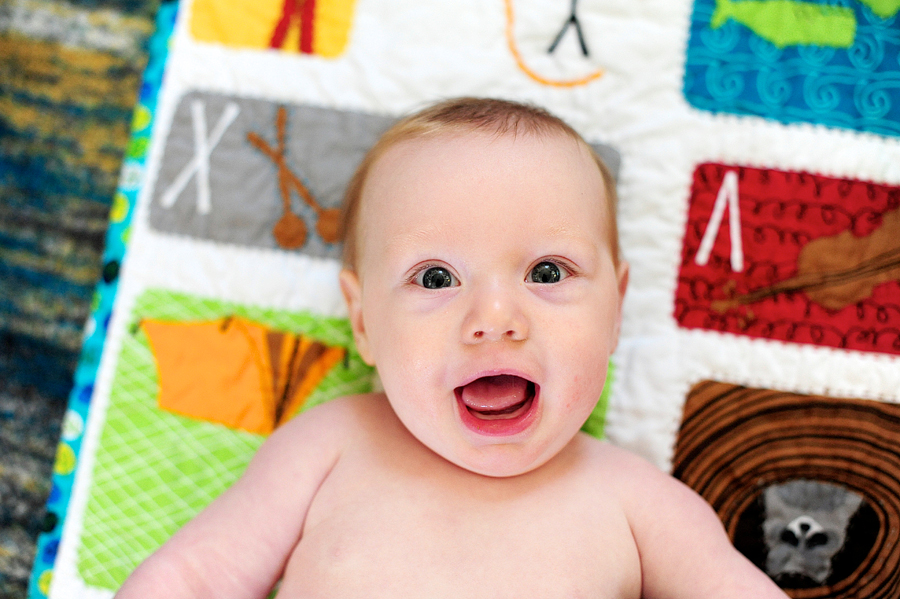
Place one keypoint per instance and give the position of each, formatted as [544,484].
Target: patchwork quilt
[757,150]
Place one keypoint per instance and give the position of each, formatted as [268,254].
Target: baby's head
[483,280]
[458,116]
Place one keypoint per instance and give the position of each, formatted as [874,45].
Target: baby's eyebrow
[568,234]
[413,236]
[559,231]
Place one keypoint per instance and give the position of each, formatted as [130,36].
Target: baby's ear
[622,279]
[352,290]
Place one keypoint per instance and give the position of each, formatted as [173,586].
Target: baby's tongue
[495,393]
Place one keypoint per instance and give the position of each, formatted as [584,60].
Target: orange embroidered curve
[513,47]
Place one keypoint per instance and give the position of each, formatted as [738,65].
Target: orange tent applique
[236,372]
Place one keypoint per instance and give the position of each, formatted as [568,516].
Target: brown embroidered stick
[290,230]
[838,270]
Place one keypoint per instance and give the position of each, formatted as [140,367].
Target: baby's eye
[547,272]
[436,277]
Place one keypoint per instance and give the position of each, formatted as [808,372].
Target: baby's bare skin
[393,519]
[362,509]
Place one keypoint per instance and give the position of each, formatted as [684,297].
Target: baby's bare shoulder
[334,421]
[635,479]
[684,549]
[616,463]
[311,442]
[336,428]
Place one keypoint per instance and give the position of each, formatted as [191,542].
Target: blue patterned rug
[69,77]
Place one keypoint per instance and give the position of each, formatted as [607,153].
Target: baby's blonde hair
[458,115]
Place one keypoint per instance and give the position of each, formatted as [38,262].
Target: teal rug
[70,74]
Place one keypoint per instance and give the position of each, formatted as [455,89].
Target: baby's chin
[498,460]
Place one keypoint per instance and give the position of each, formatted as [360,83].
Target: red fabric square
[770,297]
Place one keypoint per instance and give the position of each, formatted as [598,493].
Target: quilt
[756,145]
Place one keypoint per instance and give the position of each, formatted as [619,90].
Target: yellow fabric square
[320,27]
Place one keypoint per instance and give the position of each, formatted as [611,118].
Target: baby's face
[486,294]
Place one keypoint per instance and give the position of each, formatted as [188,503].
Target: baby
[483,281]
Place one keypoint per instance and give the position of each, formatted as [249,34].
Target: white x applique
[199,164]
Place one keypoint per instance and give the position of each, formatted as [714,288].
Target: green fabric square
[155,470]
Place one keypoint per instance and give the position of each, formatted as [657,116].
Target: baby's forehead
[449,152]
[444,171]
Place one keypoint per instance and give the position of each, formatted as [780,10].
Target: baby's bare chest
[398,532]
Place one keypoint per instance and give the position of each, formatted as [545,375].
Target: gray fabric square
[236,192]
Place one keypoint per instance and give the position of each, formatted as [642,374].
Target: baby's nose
[495,316]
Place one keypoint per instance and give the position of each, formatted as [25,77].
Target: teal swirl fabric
[733,67]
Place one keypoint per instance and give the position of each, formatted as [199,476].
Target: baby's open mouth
[498,397]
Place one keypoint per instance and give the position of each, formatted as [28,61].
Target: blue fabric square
[734,68]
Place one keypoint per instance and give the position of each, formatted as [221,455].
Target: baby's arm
[684,550]
[238,546]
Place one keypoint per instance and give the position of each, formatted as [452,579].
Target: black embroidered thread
[572,21]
